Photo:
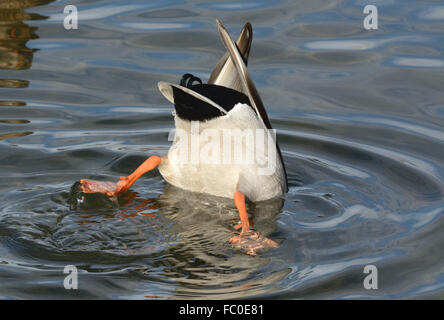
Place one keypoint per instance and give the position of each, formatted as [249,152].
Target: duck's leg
[248,240]
[112,189]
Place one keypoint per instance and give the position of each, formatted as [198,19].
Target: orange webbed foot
[107,188]
[248,240]
[251,242]
[112,189]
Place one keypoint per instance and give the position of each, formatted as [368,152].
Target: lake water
[359,115]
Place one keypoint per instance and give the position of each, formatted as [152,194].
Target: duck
[223,144]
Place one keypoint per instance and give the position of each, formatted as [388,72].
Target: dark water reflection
[359,116]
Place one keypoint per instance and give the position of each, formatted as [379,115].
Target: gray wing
[225,73]
[248,86]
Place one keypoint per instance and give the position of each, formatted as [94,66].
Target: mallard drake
[206,117]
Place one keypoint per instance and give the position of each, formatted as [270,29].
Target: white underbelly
[203,178]
[203,166]
[221,180]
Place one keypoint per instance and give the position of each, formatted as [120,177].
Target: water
[359,116]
